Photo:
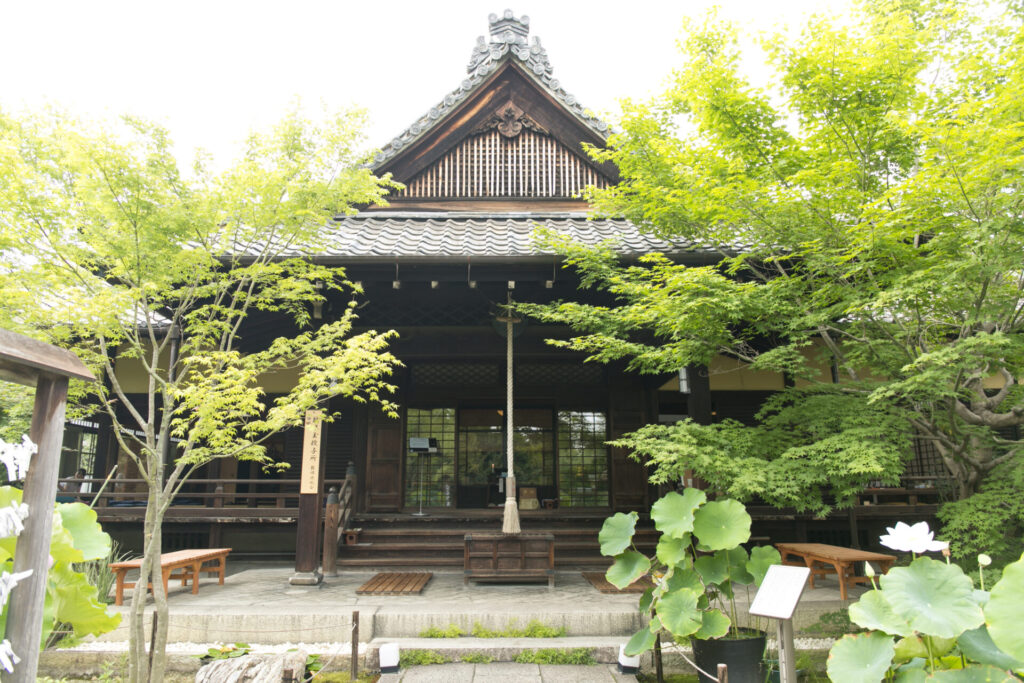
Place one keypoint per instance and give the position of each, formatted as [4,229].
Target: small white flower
[11,518]
[7,583]
[984,560]
[7,657]
[869,571]
[15,457]
[911,539]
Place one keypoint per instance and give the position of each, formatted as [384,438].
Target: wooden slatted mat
[395,583]
[598,581]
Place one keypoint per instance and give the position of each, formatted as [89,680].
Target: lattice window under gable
[491,165]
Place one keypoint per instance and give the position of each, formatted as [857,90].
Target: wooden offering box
[518,557]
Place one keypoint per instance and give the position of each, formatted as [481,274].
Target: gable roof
[508,44]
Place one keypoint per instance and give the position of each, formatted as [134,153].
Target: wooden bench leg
[119,591]
[195,568]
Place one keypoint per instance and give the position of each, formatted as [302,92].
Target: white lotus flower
[15,457]
[7,583]
[11,519]
[912,539]
[984,560]
[7,657]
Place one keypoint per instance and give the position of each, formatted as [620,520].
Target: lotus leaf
[628,567]
[977,645]
[862,658]
[679,612]
[722,524]
[714,624]
[1004,611]
[934,597]
[674,514]
[873,611]
[761,558]
[673,551]
[617,533]
[642,641]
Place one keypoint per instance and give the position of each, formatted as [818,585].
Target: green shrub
[577,655]
[534,629]
[991,521]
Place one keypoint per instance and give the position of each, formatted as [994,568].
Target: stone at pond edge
[254,668]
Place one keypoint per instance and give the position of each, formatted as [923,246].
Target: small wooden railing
[222,494]
[337,514]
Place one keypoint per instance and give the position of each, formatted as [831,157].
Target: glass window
[433,474]
[582,459]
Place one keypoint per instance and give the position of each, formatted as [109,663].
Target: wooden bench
[189,562]
[824,559]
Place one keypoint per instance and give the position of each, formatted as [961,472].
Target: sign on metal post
[777,599]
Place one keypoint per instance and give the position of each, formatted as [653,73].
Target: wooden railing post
[329,563]
[218,499]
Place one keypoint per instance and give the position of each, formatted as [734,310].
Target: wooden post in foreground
[307,532]
[48,368]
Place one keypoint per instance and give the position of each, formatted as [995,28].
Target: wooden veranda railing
[221,500]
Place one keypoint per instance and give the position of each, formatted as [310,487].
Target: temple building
[497,157]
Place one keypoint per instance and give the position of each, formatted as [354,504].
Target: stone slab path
[508,673]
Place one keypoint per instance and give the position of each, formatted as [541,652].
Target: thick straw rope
[510,521]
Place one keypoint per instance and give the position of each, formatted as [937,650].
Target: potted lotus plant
[698,565]
[927,621]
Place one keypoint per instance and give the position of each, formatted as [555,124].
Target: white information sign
[780,591]
[309,481]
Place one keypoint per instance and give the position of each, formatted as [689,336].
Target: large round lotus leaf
[642,641]
[934,597]
[646,600]
[761,558]
[76,602]
[873,611]
[679,613]
[722,524]
[714,624]
[713,569]
[673,515]
[977,646]
[1005,610]
[685,578]
[972,674]
[862,658]
[908,675]
[673,551]
[617,533]
[80,521]
[628,567]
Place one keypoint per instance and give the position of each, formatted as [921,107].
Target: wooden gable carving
[509,155]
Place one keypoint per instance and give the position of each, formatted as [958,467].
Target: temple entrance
[560,454]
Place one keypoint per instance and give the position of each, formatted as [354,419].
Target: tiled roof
[439,235]
[508,42]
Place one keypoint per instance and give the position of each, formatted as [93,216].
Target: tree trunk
[137,659]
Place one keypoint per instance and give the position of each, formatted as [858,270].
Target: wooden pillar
[307,534]
[25,612]
[698,401]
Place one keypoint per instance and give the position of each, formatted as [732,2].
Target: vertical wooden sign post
[777,598]
[47,368]
[306,535]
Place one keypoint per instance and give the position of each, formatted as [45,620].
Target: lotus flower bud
[869,571]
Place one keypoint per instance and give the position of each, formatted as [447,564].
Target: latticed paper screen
[430,477]
[582,459]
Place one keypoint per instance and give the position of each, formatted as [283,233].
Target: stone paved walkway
[508,673]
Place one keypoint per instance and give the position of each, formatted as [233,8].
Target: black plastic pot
[742,655]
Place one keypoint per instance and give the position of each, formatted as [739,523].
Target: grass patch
[451,631]
[477,658]
[576,655]
[409,658]
[343,677]
[534,629]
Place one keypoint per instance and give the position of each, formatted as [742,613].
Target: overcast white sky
[211,70]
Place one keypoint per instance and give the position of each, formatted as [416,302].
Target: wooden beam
[19,353]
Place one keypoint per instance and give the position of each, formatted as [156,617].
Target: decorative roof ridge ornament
[510,121]
[508,40]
